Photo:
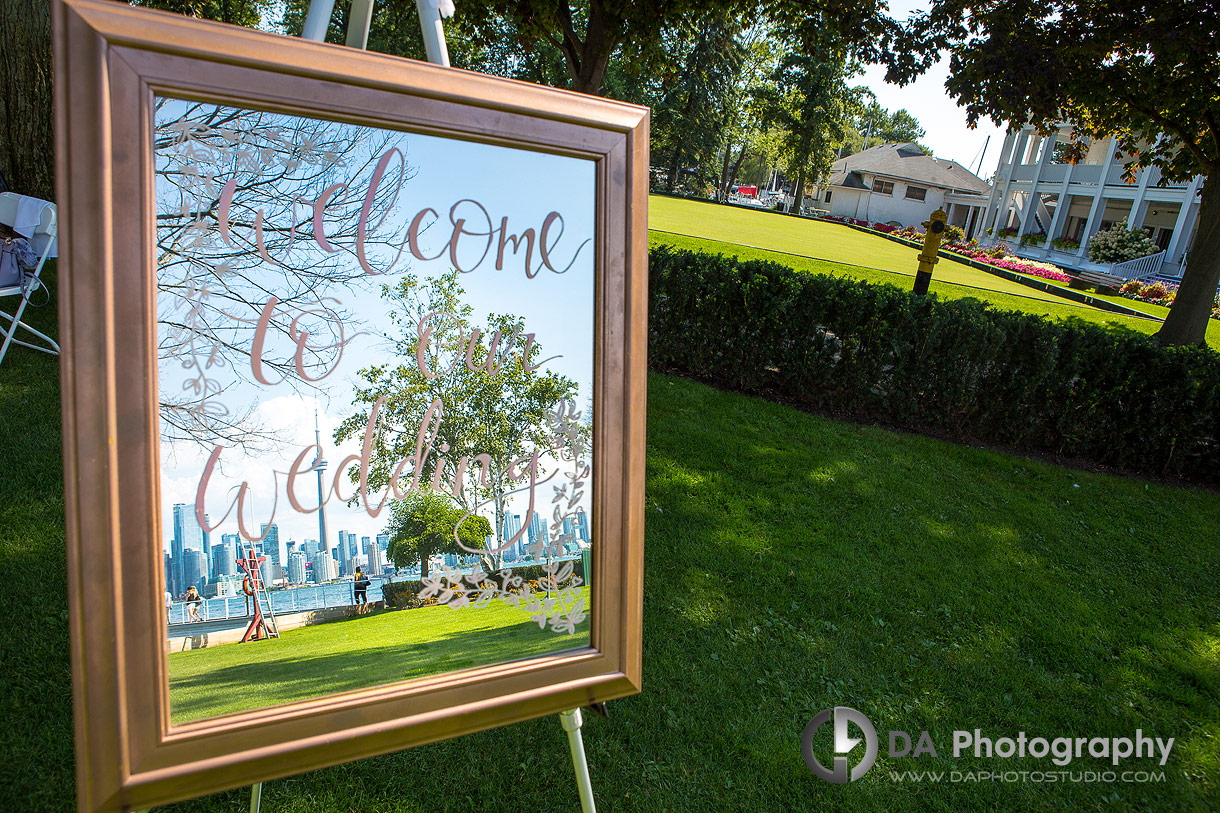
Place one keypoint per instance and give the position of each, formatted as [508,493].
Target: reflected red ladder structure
[263,624]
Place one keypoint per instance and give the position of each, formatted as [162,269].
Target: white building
[1036,192]
[324,567]
[296,567]
[898,184]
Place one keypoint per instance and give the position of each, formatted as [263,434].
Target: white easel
[360,17]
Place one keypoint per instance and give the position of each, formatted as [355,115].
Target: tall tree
[27,126]
[690,116]
[810,101]
[744,132]
[902,127]
[591,33]
[1144,73]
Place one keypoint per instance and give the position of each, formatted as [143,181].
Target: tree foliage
[874,125]
[809,101]
[695,103]
[1145,73]
[900,127]
[427,523]
[745,133]
[246,13]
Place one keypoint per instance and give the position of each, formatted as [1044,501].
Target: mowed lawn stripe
[356,653]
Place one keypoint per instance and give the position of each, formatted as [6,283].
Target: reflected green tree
[427,523]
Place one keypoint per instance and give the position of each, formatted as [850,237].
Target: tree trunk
[587,59]
[423,563]
[722,189]
[741,156]
[673,169]
[27,124]
[593,68]
[1187,321]
[799,192]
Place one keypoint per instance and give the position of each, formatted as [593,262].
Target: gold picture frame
[111,61]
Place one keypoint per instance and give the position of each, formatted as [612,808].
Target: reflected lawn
[354,654]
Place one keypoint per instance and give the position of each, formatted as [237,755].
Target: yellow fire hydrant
[931,244]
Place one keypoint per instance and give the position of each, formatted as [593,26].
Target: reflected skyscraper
[272,569]
[537,527]
[512,524]
[187,536]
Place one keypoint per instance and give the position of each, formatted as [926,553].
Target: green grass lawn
[791,563]
[353,654]
[812,238]
[831,248]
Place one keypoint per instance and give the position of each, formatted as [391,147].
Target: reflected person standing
[194,600]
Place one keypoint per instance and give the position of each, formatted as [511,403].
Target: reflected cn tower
[319,465]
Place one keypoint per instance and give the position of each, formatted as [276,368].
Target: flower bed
[1028,267]
[1000,258]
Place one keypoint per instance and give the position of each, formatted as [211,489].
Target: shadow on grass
[932,587]
[36,735]
[269,678]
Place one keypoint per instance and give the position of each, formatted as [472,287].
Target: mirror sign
[264,233]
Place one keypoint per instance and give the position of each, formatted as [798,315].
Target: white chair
[35,219]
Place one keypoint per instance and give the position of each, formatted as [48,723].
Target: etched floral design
[555,601]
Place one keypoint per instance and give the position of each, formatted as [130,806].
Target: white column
[1035,196]
[1135,217]
[1022,139]
[1005,154]
[1097,208]
[972,221]
[1031,154]
[359,19]
[1061,207]
[1185,222]
[317,20]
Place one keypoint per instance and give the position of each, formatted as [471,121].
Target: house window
[916,193]
[883,187]
[828,196]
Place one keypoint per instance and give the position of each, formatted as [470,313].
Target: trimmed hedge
[957,368]
[402,595]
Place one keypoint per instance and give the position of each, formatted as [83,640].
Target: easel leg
[256,797]
[570,720]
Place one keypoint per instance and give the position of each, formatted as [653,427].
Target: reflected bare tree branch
[220,266]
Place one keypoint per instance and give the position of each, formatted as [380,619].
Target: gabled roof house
[900,185]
